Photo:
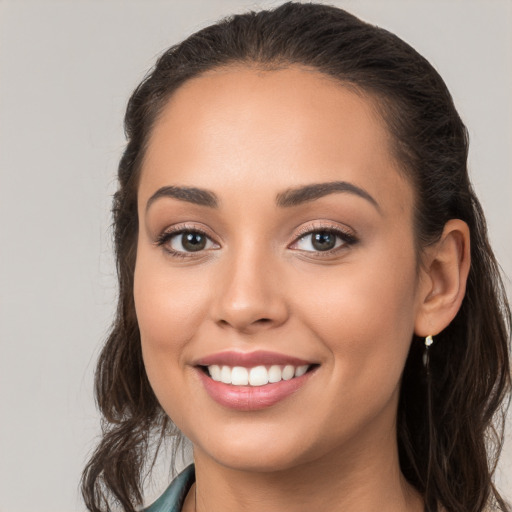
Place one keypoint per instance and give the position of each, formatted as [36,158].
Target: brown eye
[183,242]
[193,242]
[323,240]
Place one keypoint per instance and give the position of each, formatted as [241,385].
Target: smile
[256,376]
[252,381]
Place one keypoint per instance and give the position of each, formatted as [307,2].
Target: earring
[430,415]
[426,356]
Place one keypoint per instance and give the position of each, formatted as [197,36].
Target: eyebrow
[300,195]
[288,198]
[193,195]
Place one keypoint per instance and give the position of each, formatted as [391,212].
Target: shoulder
[174,496]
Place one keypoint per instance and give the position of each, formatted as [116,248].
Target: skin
[249,135]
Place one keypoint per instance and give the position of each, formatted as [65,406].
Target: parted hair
[449,425]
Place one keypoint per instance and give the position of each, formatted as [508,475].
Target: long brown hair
[448,450]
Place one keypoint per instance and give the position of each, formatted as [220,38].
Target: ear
[442,285]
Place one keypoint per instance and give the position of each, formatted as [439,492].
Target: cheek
[168,301]
[169,308]
[364,313]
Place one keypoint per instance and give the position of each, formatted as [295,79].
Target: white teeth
[239,376]
[257,376]
[225,375]
[215,372]
[288,372]
[301,370]
[275,374]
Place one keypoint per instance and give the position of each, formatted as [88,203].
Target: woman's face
[275,231]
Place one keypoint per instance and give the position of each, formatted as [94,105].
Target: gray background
[66,70]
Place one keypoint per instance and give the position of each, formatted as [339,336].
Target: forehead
[279,128]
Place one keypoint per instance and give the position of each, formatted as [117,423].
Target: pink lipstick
[253,380]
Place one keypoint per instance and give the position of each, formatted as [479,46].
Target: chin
[258,460]
[261,450]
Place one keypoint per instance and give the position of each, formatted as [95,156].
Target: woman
[307,292]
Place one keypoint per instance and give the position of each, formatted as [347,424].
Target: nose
[250,296]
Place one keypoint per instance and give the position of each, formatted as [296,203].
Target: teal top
[174,496]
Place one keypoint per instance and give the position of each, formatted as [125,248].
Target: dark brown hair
[449,427]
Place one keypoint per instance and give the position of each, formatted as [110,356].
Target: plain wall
[66,71]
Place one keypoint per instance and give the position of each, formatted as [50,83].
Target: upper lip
[250,359]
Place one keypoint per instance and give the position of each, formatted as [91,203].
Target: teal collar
[174,496]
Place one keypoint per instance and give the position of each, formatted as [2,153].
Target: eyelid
[346,234]
[324,225]
[168,233]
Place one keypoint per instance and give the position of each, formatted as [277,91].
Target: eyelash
[346,237]
[165,237]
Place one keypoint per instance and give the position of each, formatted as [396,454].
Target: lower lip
[252,398]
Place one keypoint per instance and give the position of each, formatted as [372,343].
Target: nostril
[246,326]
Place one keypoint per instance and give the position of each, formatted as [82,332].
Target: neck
[362,478]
